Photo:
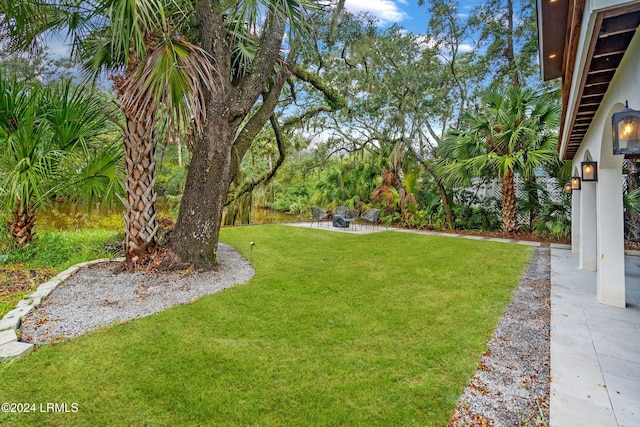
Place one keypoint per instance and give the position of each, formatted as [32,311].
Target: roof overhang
[552,31]
[607,43]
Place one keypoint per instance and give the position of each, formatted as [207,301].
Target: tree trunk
[141,225]
[509,52]
[22,223]
[195,237]
[509,210]
[444,198]
[534,202]
[220,147]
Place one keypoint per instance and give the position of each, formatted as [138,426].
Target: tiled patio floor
[595,349]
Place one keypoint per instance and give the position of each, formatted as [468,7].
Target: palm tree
[512,133]
[47,133]
[148,41]
[152,65]
[143,46]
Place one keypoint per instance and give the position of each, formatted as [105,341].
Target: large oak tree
[253,46]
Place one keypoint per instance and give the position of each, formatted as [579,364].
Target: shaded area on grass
[334,329]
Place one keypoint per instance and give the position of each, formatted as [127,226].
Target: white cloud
[317,138]
[385,10]
[465,47]
[425,41]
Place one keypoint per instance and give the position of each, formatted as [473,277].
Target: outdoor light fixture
[567,187]
[589,168]
[626,132]
[575,183]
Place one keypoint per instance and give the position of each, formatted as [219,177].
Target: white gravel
[511,386]
[95,297]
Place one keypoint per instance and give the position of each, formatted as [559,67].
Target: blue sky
[405,13]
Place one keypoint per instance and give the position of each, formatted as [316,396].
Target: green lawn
[335,329]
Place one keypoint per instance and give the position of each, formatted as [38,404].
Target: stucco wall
[600,238]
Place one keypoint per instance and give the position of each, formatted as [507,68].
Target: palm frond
[76,114]
[99,178]
[176,74]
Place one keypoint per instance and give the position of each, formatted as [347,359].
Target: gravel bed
[511,386]
[96,297]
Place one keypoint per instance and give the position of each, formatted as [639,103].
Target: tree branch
[255,124]
[333,98]
[293,121]
[253,84]
[432,132]
[249,186]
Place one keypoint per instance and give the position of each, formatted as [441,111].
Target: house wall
[601,209]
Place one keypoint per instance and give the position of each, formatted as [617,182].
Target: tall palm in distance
[513,132]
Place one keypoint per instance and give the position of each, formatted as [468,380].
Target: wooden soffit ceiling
[552,30]
[612,34]
[559,25]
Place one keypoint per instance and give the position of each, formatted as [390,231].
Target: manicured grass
[51,252]
[383,329]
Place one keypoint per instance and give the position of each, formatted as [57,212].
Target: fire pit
[340,222]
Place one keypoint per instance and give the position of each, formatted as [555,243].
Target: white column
[588,224]
[611,286]
[576,222]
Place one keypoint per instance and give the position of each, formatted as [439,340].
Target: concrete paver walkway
[595,349]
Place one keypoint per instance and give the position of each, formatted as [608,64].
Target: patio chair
[371,216]
[317,214]
[341,210]
[352,216]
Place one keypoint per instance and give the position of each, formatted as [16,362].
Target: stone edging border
[10,347]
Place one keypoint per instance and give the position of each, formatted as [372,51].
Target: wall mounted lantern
[567,187]
[575,183]
[626,132]
[589,169]
[575,180]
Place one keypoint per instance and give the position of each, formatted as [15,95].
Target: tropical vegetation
[284,106]
[54,142]
[194,115]
[514,133]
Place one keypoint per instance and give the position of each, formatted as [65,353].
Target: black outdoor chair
[341,210]
[317,214]
[349,215]
[371,216]
[352,216]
